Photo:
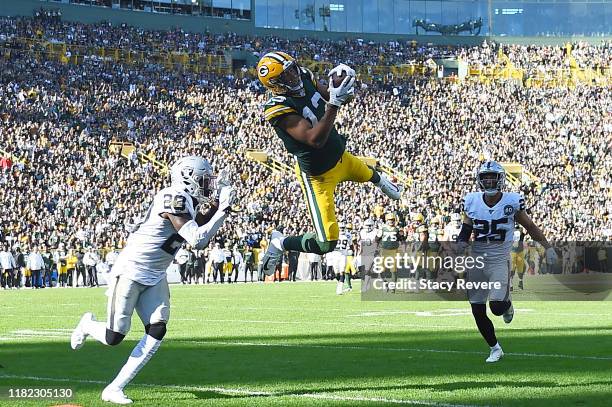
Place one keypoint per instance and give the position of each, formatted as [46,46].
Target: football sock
[348,279]
[485,326]
[293,243]
[96,330]
[499,307]
[496,346]
[308,243]
[139,357]
[375,176]
[341,278]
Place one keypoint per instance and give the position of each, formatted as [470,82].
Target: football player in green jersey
[302,112]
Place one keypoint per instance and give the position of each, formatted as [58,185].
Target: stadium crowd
[66,193]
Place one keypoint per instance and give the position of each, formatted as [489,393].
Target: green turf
[299,344]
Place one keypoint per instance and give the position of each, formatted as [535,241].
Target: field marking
[383,349]
[257,321]
[253,393]
[447,312]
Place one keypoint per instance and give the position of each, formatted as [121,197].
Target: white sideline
[246,392]
[383,349]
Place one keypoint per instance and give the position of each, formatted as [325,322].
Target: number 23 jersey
[493,225]
[151,247]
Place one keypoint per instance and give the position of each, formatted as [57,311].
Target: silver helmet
[194,175]
[491,177]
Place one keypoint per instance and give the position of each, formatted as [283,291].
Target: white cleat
[389,188]
[77,339]
[274,253]
[114,395]
[496,355]
[340,288]
[509,314]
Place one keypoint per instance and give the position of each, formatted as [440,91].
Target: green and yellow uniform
[389,244]
[318,170]
[433,253]
[518,257]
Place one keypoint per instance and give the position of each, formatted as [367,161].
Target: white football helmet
[369,225]
[194,175]
[491,177]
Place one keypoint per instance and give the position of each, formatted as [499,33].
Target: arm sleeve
[200,236]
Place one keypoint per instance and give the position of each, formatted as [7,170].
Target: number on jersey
[488,230]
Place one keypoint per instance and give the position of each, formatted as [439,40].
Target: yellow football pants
[319,192]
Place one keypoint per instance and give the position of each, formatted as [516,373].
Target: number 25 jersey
[493,225]
[151,247]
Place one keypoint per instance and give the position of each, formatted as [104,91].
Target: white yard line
[253,393]
[332,323]
[384,349]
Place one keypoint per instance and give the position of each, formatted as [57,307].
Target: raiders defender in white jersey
[366,251]
[489,216]
[138,277]
[337,258]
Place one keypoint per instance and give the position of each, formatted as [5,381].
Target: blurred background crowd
[68,197]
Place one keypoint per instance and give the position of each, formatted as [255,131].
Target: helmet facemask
[491,182]
[206,188]
[290,80]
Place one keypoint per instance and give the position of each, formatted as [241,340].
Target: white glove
[227,196]
[338,70]
[343,93]
[551,256]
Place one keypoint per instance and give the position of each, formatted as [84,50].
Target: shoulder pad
[175,202]
[276,107]
[517,201]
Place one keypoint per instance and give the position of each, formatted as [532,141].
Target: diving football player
[302,112]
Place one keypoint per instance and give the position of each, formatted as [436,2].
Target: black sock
[485,326]
[375,176]
[499,307]
[348,279]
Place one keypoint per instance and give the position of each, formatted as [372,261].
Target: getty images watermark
[413,264]
[451,271]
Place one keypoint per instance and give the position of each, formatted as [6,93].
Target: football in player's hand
[337,79]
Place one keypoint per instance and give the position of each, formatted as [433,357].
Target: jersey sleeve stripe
[274,108]
[279,112]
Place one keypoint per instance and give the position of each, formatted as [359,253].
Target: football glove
[342,94]
[227,196]
[551,256]
[339,69]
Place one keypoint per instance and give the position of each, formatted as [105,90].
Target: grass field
[299,344]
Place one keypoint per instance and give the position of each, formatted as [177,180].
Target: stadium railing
[125,148]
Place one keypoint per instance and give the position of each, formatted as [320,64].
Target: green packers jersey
[390,238]
[311,107]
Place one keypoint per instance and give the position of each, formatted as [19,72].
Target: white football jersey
[151,247]
[451,231]
[344,243]
[493,226]
[367,239]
